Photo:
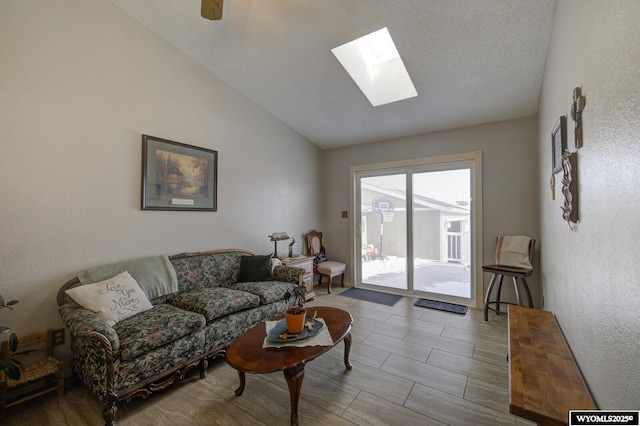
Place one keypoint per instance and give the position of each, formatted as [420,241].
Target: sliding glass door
[383,213]
[442,232]
[414,229]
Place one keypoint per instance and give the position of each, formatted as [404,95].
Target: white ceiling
[471,61]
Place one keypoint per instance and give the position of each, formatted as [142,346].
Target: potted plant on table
[297,314]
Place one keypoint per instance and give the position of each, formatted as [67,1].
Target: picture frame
[177,176]
[558,144]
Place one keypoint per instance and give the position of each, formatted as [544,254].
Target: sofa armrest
[94,344]
[81,322]
[288,274]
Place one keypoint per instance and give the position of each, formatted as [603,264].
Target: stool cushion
[36,371]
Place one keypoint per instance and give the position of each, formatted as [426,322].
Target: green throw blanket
[155,275]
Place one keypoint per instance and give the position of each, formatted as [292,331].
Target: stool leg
[60,379]
[526,289]
[499,292]
[3,401]
[487,296]
[515,288]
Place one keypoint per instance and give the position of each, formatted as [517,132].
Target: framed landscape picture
[177,176]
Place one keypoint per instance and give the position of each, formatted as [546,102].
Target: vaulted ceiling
[471,61]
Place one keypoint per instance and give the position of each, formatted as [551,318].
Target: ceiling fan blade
[211,9]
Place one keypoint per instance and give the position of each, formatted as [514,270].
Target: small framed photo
[558,144]
[177,176]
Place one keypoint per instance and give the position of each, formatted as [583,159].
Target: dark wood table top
[545,381]
[247,354]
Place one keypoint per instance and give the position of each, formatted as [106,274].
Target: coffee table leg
[241,388]
[347,349]
[294,376]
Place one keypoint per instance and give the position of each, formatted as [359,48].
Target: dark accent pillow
[320,257]
[255,268]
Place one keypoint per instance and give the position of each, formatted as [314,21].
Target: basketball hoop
[385,207]
[387,216]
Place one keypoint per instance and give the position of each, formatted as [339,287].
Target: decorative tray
[281,327]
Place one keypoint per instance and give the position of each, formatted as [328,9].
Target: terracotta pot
[295,321]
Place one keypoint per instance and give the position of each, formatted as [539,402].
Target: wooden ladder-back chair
[322,266]
[513,259]
[35,353]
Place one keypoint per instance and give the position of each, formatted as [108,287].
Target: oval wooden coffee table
[247,355]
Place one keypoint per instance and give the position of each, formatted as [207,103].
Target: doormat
[441,306]
[372,296]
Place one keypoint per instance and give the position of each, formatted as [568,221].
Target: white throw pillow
[275,262]
[513,251]
[113,299]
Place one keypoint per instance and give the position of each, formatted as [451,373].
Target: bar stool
[515,264]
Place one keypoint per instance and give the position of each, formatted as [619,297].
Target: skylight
[375,65]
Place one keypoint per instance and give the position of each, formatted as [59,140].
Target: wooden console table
[544,379]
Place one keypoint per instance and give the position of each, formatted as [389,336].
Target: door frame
[475,159]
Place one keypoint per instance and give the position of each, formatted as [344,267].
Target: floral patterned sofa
[220,294]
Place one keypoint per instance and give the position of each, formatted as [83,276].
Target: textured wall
[80,82]
[591,278]
[509,171]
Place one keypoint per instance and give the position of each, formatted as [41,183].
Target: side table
[306,263]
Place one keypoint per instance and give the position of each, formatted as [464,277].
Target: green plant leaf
[13,342]
[11,370]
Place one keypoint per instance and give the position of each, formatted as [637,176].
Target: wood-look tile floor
[411,366]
